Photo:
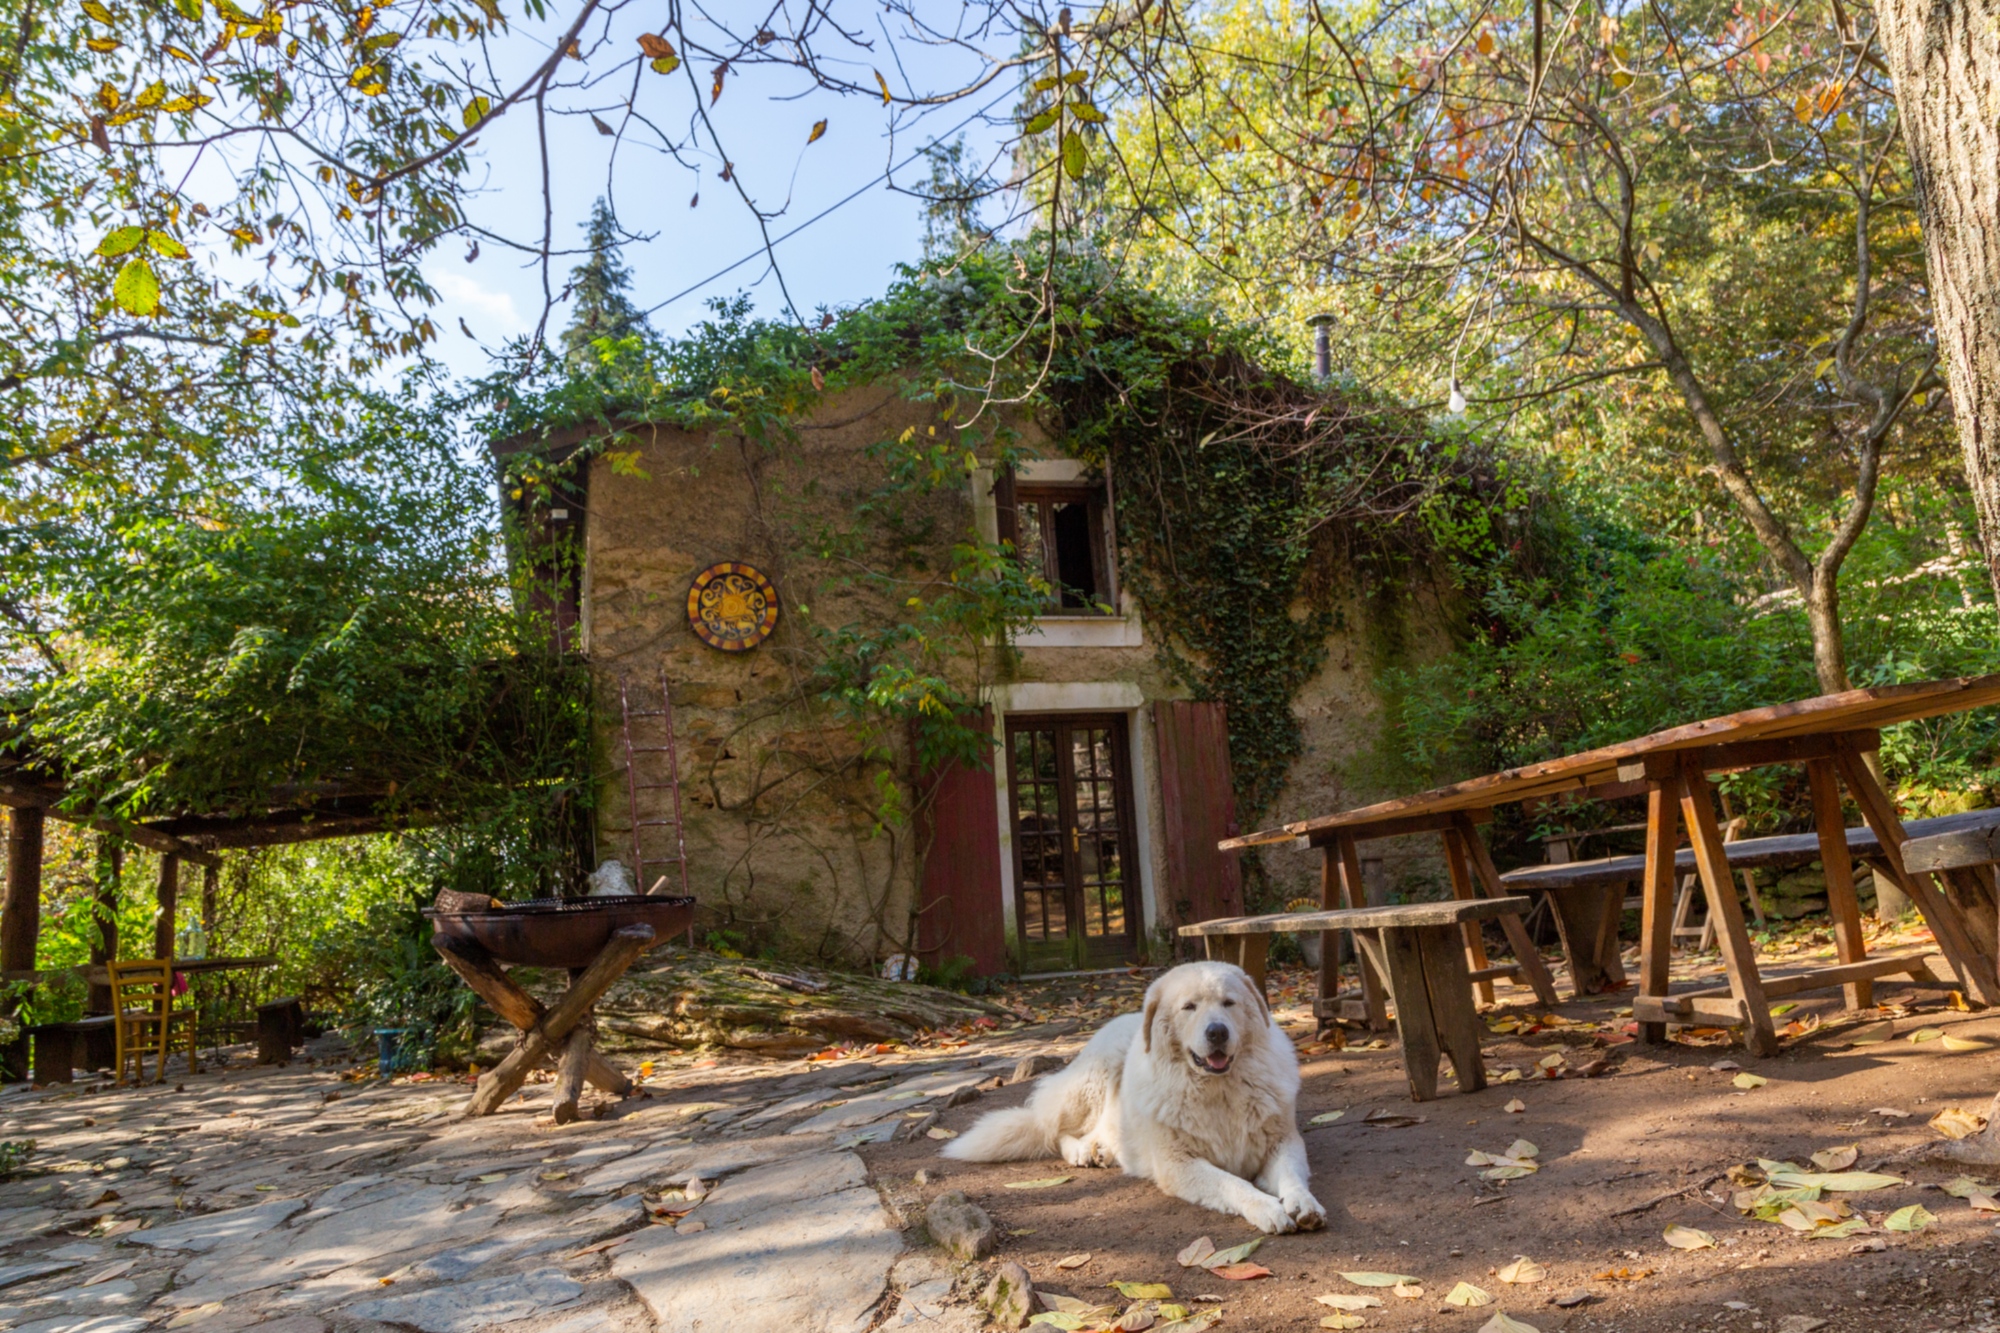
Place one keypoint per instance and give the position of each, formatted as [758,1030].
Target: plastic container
[389,1051]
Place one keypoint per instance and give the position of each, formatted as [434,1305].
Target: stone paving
[293,1200]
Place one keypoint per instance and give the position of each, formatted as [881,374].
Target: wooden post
[570,1071]
[1739,959]
[493,985]
[1461,888]
[1329,940]
[209,877]
[501,1082]
[1357,896]
[1656,926]
[169,903]
[1838,862]
[21,911]
[104,907]
[1415,1023]
[1525,953]
[1974,966]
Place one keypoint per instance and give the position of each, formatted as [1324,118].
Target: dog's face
[1205,1014]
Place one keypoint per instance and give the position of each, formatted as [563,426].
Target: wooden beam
[1373,979]
[16,795]
[1738,755]
[1397,828]
[1973,965]
[169,900]
[21,913]
[1739,959]
[1656,911]
[1914,966]
[104,908]
[1838,863]
[1475,936]
[492,984]
[1525,953]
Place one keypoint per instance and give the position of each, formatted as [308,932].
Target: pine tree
[600,285]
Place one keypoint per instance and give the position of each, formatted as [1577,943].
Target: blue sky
[764,117]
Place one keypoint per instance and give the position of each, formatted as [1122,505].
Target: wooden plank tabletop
[1854,710]
[1448,913]
[1783,849]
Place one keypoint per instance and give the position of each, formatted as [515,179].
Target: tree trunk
[1945,58]
[1828,647]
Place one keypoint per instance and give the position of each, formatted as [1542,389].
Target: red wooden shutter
[960,908]
[1200,808]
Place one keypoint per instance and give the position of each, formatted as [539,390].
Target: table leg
[1659,911]
[1533,969]
[1450,990]
[1838,862]
[1579,915]
[1402,961]
[1370,969]
[1739,959]
[1329,941]
[523,1010]
[1973,964]
[1461,889]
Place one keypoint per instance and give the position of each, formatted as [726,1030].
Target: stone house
[1083,840]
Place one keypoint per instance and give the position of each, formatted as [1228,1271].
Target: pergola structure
[33,792]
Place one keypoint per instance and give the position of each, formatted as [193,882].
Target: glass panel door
[1071,798]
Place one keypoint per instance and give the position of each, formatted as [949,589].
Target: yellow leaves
[97,10]
[104,46]
[1073,157]
[1688,1238]
[153,94]
[178,54]
[475,111]
[108,97]
[136,289]
[883,84]
[818,129]
[1485,43]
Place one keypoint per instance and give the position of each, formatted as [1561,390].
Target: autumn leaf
[1142,1291]
[602,128]
[163,244]
[1467,1297]
[1240,1272]
[475,111]
[1371,1279]
[1073,157]
[1915,1217]
[137,288]
[1523,1270]
[656,47]
[1501,1323]
[819,128]
[121,241]
[1198,1250]
[1046,1182]
[1688,1238]
[1343,1301]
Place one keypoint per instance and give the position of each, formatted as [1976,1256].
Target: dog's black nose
[1218,1036]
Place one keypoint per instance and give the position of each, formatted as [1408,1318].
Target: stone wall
[785,849]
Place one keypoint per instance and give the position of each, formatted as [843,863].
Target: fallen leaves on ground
[1789,1175]
[1836,1159]
[1925,1034]
[1197,1250]
[1327,1117]
[1073,1261]
[1951,1043]
[940,1132]
[1370,1279]
[1956,1122]
[1143,1291]
[1467,1297]
[1915,1217]
[1517,1161]
[1046,1182]
[1623,1275]
[1240,1272]
[1409,1291]
[1569,1301]
[1522,1270]
[1515,1107]
[1387,1119]
[1688,1238]
[1341,1300]
[1501,1322]
[1341,1321]
[1746,1081]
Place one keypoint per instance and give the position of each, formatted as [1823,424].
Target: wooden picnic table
[1585,912]
[1415,948]
[1831,735]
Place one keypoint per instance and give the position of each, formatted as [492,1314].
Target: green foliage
[602,288]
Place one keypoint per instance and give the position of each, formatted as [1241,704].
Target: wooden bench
[1963,857]
[58,1046]
[1417,948]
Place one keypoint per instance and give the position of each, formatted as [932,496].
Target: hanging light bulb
[1456,404]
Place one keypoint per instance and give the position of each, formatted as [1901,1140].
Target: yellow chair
[142,997]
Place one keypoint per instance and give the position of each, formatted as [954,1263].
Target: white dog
[1195,1094]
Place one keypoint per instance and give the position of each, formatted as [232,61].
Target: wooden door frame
[1125,797]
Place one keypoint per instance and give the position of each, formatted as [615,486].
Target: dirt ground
[1645,1145]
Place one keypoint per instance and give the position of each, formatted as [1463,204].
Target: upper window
[1058,529]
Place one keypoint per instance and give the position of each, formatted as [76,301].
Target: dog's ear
[1257,992]
[1151,1012]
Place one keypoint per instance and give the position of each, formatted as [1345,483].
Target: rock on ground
[961,1226]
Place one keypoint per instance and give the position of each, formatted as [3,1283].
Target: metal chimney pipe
[1322,348]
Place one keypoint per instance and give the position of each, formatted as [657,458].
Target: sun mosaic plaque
[732,607]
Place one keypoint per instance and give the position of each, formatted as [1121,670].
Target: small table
[1417,948]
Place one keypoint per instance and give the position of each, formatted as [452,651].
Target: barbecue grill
[551,932]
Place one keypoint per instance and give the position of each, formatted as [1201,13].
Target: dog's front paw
[1304,1210]
[1269,1216]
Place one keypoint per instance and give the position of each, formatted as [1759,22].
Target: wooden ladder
[664,717]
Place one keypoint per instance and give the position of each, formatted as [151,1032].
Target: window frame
[1010,494]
